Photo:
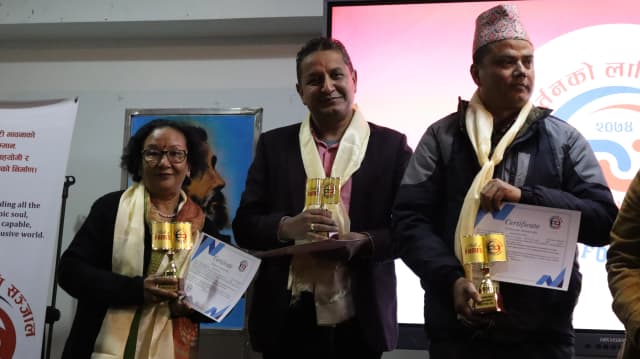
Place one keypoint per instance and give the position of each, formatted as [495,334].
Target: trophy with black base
[479,252]
[169,238]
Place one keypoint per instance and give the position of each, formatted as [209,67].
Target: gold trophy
[313,199]
[332,202]
[183,238]
[325,193]
[168,238]
[479,252]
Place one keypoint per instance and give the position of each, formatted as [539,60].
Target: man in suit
[327,304]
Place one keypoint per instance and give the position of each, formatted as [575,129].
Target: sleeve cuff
[372,246]
[526,195]
[281,240]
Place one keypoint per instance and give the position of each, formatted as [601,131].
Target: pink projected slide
[413,63]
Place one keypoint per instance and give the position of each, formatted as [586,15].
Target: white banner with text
[35,139]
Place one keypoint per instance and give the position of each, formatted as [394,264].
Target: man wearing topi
[496,148]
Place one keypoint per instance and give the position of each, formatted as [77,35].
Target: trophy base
[172,287]
[489,303]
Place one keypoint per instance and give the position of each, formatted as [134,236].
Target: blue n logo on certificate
[548,280]
[500,215]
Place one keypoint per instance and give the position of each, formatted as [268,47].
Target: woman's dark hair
[321,44]
[196,138]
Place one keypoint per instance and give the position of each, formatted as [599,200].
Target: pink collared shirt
[327,156]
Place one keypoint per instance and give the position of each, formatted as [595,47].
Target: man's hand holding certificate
[218,276]
[541,243]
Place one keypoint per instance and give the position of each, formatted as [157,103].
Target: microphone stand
[53,314]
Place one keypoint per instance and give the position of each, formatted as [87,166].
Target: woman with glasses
[127,306]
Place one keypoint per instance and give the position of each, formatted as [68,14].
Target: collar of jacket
[536,114]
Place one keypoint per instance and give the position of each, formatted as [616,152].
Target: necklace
[163,215]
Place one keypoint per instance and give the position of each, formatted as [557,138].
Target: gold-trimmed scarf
[329,279]
[159,335]
[479,125]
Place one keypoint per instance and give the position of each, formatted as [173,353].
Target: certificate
[541,244]
[218,275]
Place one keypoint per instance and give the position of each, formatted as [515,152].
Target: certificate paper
[218,275]
[541,244]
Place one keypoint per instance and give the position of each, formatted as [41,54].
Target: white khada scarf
[329,279]
[479,125]
[128,259]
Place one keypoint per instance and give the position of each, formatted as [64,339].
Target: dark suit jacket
[275,188]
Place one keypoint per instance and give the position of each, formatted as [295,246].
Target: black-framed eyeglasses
[153,157]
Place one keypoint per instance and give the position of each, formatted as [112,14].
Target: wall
[87,11]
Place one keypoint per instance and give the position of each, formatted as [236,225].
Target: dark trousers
[303,338]
[496,349]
